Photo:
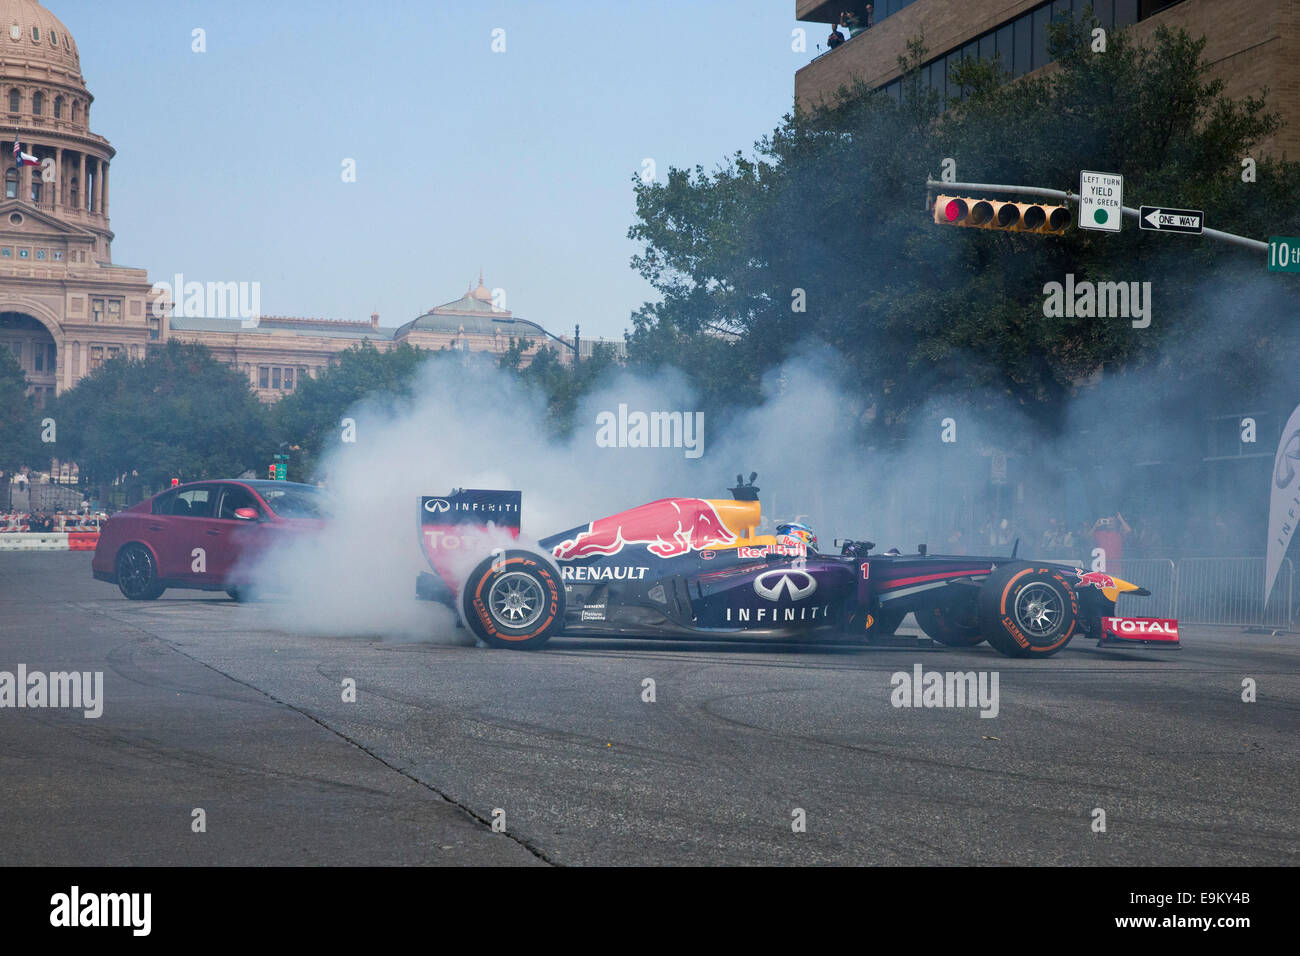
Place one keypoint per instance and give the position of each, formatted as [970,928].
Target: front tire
[514,600]
[1028,610]
[952,626]
[137,574]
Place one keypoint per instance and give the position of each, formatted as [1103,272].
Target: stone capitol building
[65,307]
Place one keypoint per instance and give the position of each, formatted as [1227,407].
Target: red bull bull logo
[1097,579]
[668,527]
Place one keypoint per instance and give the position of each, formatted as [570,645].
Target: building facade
[1250,44]
[278,352]
[66,308]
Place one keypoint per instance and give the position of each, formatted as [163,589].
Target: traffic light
[270,471]
[1005,216]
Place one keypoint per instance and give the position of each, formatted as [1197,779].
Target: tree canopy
[19,424]
[829,216]
[177,413]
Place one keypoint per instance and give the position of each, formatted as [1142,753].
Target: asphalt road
[207,707]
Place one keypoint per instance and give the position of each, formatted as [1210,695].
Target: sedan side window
[195,503]
[233,497]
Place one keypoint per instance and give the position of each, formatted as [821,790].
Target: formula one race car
[695,568]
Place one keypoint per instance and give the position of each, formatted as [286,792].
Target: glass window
[1061,10]
[115,310]
[38,103]
[1021,64]
[951,89]
[275,378]
[36,34]
[970,51]
[24,253]
[1104,10]
[7,252]
[11,184]
[195,503]
[97,310]
[288,380]
[38,359]
[49,349]
[15,101]
[233,496]
[58,107]
[1004,45]
[1126,12]
[40,253]
[96,356]
[58,254]
[987,46]
[1041,18]
[263,377]
[296,501]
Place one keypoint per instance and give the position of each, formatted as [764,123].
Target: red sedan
[203,535]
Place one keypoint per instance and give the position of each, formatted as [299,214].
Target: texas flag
[23,159]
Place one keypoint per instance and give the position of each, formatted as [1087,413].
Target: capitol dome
[32,36]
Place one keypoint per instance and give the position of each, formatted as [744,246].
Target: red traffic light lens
[955,210]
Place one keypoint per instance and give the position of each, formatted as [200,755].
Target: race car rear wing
[458,529]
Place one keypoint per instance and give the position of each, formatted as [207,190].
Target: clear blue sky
[228,165]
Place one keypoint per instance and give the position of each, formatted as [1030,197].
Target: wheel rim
[515,600]
[135,571]
[1039,609]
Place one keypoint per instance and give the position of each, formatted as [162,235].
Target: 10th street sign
[1188,221]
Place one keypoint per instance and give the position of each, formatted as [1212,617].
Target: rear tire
[957,626]
[1028,610]
[514,601]
[137,574]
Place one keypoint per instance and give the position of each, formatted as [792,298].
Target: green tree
[828,216]
[177,413]
[19,424]
[311,418]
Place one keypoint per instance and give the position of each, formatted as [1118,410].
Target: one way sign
[1172,220]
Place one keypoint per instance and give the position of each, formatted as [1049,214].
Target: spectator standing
[1109,533]
[836,37]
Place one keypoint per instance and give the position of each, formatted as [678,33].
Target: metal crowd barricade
[1157,575]
[1231,591]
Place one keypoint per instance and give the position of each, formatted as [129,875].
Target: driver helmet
[793,533]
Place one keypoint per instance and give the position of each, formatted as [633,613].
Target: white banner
[1284,510]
